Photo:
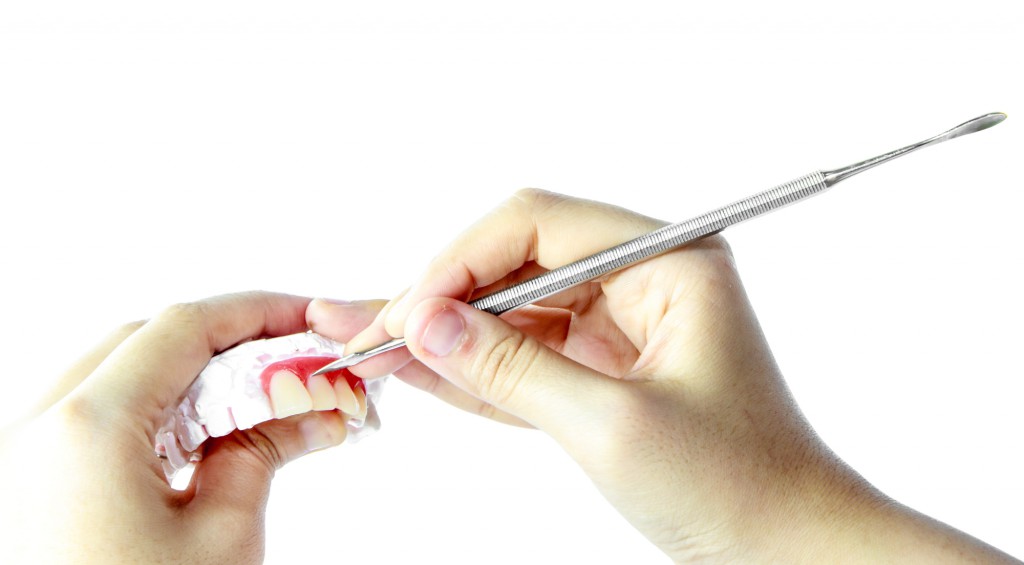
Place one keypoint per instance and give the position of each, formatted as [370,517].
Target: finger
[373,334]
[547,228]
[558,309]
[236,470]
[382,364]
[548,325]
[420,376]
[493,361]
[85,365]
[343,321]
[154,366]
[528,270]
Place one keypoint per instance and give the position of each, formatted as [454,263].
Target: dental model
[259,381]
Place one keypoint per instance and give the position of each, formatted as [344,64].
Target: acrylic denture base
[259,381]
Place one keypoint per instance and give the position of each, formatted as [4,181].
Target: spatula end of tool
[978,124]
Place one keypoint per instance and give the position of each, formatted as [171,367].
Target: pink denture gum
[259,381]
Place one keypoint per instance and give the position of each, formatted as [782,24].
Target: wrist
[838,517]
[816,511]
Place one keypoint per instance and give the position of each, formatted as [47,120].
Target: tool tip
[978,124]
[335,365]
[992,119]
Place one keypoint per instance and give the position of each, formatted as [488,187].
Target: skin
[90,441]
[657,380]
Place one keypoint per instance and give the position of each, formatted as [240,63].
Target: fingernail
[317,434]
[443,332]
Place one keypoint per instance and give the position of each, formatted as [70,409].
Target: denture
[258,381]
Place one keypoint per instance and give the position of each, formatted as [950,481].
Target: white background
[152,153]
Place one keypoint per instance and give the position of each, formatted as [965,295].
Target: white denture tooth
[347,402]
[361,399]
[288,396]
[357,430]
[218,421]
[322,393]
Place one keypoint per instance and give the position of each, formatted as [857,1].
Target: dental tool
[674,236]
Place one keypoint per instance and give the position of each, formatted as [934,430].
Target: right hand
[656,379]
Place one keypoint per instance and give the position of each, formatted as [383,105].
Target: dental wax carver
[656,380]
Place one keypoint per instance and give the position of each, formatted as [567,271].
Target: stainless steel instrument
[675,235]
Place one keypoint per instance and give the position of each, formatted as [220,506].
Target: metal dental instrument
[673,236]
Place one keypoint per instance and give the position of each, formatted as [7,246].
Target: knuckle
[90,417]
[486,410]
[537,199]
[432,385]
[459,274]
[529,194]
[503,365]
[76,410]
[188,313]
[721,261]
[130,328]
[718,244]
[715,264]
[262,448]
[243,296]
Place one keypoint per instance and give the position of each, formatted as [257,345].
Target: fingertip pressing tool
[673,236]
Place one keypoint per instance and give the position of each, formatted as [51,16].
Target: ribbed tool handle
[649,245]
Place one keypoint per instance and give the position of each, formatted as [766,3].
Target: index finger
[534,225]
[84,367]
[155,365]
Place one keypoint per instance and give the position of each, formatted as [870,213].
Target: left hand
[81,482]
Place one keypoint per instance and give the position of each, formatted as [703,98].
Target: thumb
[495,362]
[236,470]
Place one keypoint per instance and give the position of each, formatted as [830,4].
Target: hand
[82,483]
[656,379]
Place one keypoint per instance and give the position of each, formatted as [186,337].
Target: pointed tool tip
[335,365]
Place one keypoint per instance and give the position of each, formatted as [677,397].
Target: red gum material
[303,367]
